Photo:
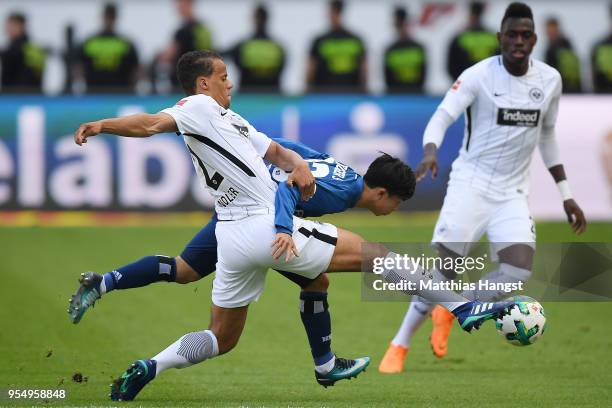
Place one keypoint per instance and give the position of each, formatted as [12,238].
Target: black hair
[337,5]
[477,8]
[17,17]
[110,11]
[261,13]
[392,174]
[401,15]
[193,64]
[517,10]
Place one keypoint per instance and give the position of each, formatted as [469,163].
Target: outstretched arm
[139,125]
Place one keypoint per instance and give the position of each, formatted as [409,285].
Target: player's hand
[305,181]
[575,216]
[283,243]
[87,130]
[429,163]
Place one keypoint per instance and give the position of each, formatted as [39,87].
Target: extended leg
[197,260]
[224,331]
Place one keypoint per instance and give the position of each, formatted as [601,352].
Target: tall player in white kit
[510,103]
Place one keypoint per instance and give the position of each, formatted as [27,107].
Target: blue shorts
[201,254]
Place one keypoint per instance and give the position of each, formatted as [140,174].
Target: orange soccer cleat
[442,323]
[393,361]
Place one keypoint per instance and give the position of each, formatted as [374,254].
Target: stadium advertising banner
[41,168]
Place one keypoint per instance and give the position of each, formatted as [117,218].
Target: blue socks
[317,322]
[141,273]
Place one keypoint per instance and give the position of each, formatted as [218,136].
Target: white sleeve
[461,94]
[550,117]
[436,127]
[549,149]
[261,141]
[188,113]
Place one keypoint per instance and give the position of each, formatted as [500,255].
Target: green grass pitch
[272,367]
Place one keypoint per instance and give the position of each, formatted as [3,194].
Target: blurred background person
[471,45]
[259,58]
[191,35]
[405,59]
[601,61]
[23,62]
[107,61]
[561,56]
[337,60]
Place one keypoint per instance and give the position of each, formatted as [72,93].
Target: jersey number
[320,168]
[213,182]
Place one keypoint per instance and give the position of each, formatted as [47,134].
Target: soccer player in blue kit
[385,185]
[389,182]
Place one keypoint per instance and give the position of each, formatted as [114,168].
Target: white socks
[418,312]
[326,367]
[190,349]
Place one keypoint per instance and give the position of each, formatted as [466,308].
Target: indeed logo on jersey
[518,117]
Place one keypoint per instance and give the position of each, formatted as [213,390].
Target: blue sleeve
[301,149]
[285,202]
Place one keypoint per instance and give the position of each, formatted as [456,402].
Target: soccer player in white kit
[228,154]
[510,103]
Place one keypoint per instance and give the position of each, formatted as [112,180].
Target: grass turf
[41,349]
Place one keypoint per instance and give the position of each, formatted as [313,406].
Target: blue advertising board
[42,168]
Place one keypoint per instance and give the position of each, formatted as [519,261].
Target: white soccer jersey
[504,115]
[227,153]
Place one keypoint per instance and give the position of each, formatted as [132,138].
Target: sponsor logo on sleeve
[518,117]
[182,102]
[243,130]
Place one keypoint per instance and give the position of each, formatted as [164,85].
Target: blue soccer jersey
[338,187]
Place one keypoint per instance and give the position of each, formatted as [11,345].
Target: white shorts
[244,250]
[467,215]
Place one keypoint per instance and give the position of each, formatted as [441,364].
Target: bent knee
[226,343]
[184,272]
[320,284]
